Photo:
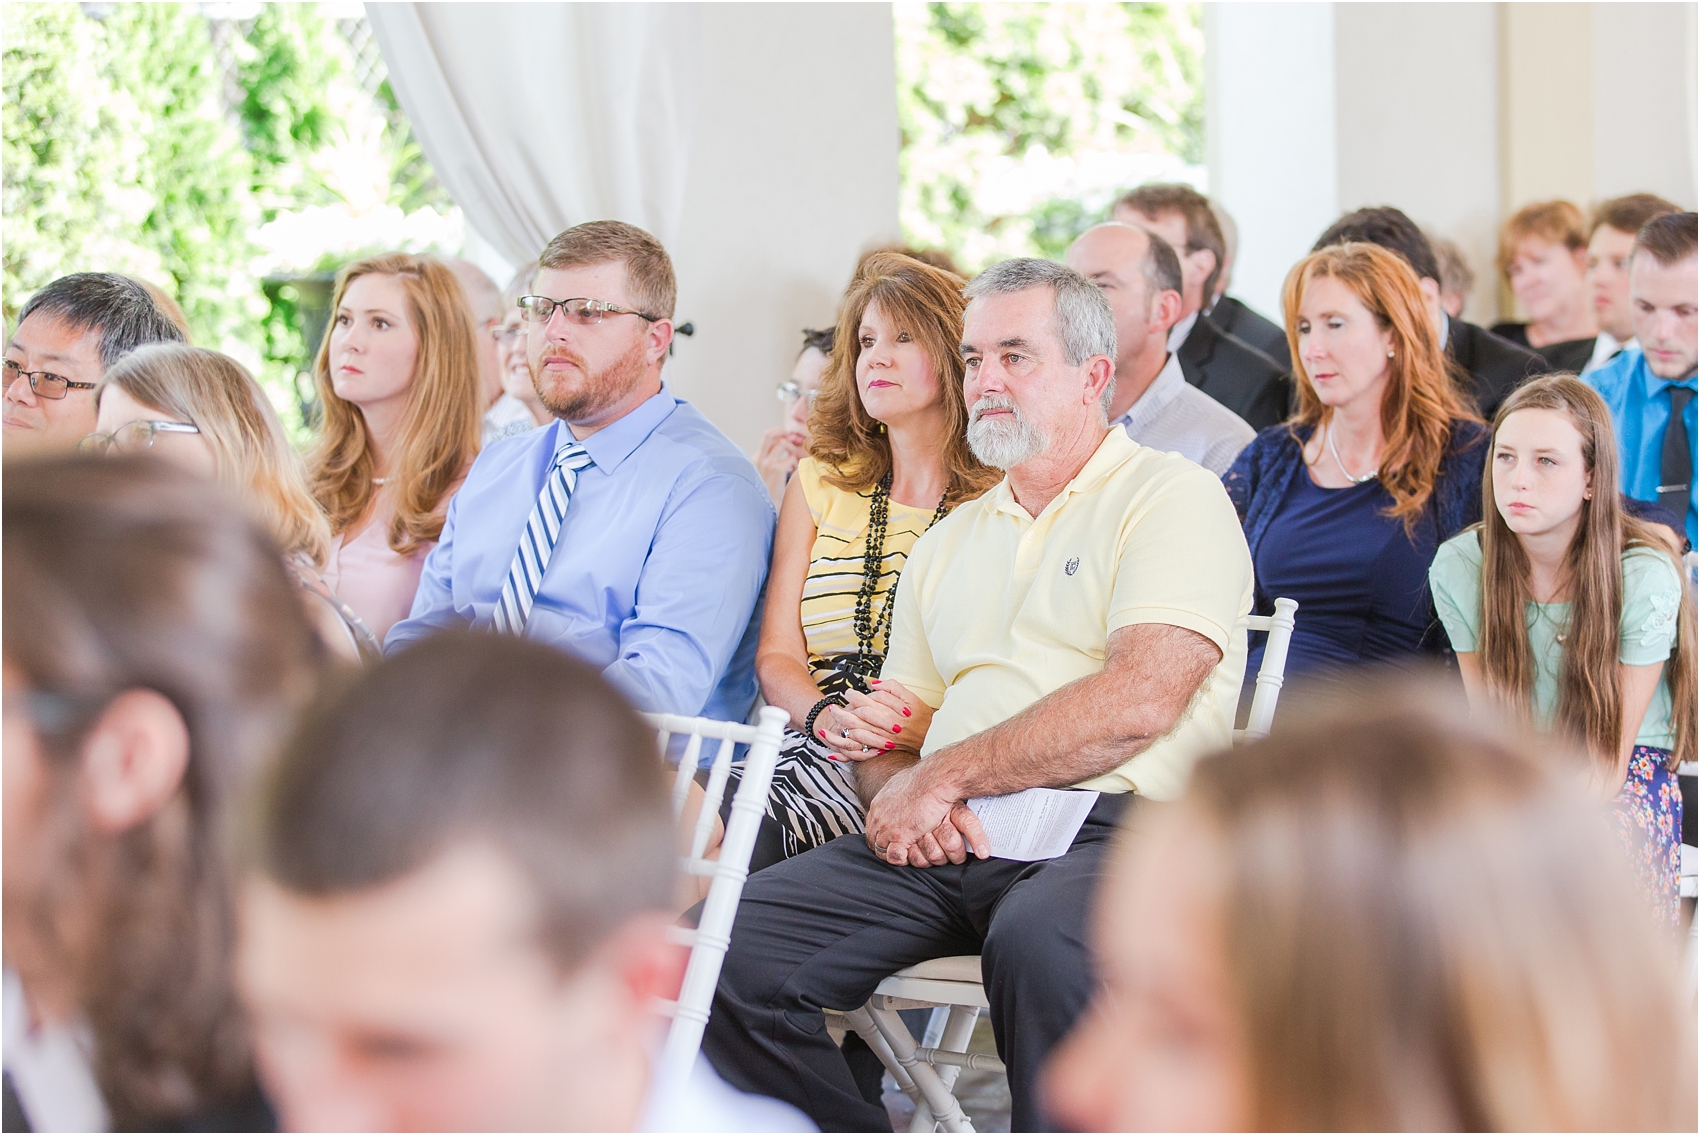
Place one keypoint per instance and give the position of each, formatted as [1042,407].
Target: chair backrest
[727,872]
[1273,671]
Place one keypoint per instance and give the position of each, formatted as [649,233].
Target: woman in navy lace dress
[1345,504]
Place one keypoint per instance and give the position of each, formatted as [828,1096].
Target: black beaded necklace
[869,629]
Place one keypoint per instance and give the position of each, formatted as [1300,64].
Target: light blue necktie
[531,559]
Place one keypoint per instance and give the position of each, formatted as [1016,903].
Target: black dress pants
[821,930]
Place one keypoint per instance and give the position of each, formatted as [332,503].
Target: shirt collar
[1445,328]
[1115,449]
[612,444]
[1179,332]
[1656,384]
[1160,393]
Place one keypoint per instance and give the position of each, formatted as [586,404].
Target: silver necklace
[1370,476]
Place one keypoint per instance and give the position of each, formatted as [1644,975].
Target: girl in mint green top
[1652,591]
[1563,607]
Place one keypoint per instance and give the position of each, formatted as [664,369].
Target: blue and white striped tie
[531,559]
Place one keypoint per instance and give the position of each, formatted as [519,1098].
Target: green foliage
[288,66]
[413,183]
[118,156]
[1017,117]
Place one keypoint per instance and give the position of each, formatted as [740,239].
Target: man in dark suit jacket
[1235,317]
[1236,374]
[1244,324]
[1233,372]
[1494,367]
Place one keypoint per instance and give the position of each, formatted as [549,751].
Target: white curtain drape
[537,117]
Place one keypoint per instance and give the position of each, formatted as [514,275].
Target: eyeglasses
[789,392]
[45,384]
[504,333]
[585,313]
[55,715]
[135,437]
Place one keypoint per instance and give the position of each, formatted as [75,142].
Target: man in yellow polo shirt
[1080,625]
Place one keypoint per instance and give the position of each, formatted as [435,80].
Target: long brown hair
[441,429]
[928,303]
[1420,403]
[1590,701]
[1430,926]
[216,393]
[127,574]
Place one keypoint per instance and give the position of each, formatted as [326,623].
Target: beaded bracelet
[830,699]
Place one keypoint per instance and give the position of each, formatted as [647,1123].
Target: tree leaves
[1020,120]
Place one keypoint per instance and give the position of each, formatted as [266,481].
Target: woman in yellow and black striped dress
[888,456]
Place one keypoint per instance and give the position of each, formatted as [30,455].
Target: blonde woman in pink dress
[398,377]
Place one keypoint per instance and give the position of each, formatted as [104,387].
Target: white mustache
[993,402]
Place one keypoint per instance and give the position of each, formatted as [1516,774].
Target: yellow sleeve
[1185,562]
[908,658]
[814,493]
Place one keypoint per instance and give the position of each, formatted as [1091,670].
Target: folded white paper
[1040,823]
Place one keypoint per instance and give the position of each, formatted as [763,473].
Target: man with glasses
[630,531]
[67,335]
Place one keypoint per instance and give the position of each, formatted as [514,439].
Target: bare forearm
[871,774]
[787,683]
[1090,726]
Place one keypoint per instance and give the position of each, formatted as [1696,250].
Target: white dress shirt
[708,1103]
[1175,417]
[50,1069]
[1606,346]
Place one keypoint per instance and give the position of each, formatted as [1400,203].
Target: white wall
[1271,135]
[793,173]
[1413,81]
[1459,114]
[1644,100]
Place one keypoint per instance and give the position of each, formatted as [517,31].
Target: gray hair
[1085,325]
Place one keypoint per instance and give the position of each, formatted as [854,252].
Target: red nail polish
[897,728]
[891,744]
[823,734]
[906,712]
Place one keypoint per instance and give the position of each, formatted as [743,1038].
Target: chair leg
[944,1105]
[862,1021]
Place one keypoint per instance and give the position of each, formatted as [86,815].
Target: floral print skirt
[1649,818]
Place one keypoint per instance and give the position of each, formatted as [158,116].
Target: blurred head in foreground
[455,914]
[155,653]
[1383,917]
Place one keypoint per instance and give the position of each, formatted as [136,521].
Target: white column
[1644,100]
[1272,136]
[793,173]
[1417,88]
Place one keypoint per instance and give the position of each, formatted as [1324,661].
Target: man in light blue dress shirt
[663,545]
[1642,386]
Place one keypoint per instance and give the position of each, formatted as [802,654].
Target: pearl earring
[1389,354]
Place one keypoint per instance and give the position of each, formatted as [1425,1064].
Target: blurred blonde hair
[1430,926]
[442,426]
[216,393]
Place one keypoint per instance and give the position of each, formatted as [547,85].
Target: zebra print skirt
[813,797]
